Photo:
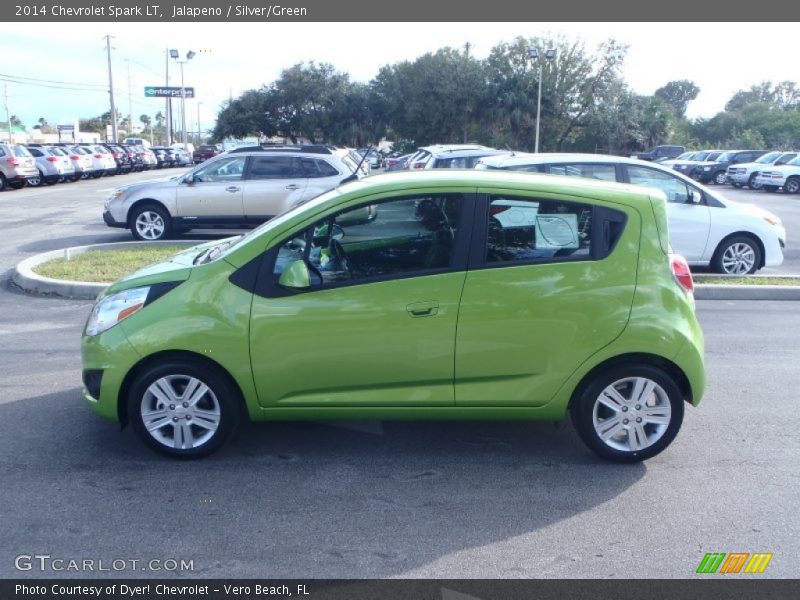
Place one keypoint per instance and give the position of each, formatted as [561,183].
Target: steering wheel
[338,253]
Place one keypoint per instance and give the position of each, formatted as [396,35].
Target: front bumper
[112,222]
[773,181]
[107,359]
[740,178]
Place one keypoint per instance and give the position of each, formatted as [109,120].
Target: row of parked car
[47,164]
[271,180]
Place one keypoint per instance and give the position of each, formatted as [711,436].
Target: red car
[204,153]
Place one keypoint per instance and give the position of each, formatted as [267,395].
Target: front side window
[527,229]
[676,190]
[412,235]
[227,169]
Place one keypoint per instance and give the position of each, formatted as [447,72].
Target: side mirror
[296,276]
[695,196]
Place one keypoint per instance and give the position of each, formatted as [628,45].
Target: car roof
[504,180]
[517,159]
[460,153]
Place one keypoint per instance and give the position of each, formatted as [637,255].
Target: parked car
[149,157]
[783,176]
[17,166]
[102,159]
[204,153]
[163,158]
[420,159]
[672,161]
[81,160]
[658,153]
[121,157]
[715,172]
[136,141]
[183,158]
[373,157]
[467,318]
[240,189]
[704,157]
[397,162]
[52,163]
[746,173]
[705,227]
[450,158]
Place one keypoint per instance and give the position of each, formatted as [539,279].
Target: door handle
[292,186]
[423,309]
[232,189]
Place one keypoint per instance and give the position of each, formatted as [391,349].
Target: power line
[52,81]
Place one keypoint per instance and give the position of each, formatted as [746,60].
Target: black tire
[3,182]
[770,188]
[582,412]
[751,182]
[736,185]
[152,208]
[792,185]
[17,185]
[719,178]
[97,175]
[224,396]
[719,254]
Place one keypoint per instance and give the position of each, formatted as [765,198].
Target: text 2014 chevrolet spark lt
[473,294]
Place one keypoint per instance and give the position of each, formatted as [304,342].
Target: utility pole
[111,91]
[8,115]
[169,103]
[130,105]
[199,131]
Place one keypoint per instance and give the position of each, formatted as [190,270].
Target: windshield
[685,156]
[700,156]
[770,158]
[309,204]
[349,163]
[726,157]
[796,161]
[712,156]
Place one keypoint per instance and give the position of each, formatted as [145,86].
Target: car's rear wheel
[3,182]
[183,409]
[719,177]
[36,181]
[628,413]
[737,255]
[150,223]
[792,185]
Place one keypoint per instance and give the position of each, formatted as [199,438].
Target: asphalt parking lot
[410,499]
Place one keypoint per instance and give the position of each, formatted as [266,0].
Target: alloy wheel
[738,259]
[631,414]
[180,412]
[150,225]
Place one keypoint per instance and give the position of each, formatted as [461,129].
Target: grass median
[105,266]
[761,280]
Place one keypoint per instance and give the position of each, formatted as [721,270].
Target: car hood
[782,168]
[161,182]
[748,209]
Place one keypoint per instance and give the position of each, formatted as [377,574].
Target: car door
[213,193]
[689,221]
[550,282]
[377,325]
[273,183]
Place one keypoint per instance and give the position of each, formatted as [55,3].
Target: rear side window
[272,167]
[314,168]
[36,152]
[533,230]
[588,171]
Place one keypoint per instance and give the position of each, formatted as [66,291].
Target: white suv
[746,173]
[785,176]
[705,227]
[237,189]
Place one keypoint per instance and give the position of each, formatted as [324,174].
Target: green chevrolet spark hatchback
[429,295]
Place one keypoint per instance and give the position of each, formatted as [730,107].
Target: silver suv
[237,189]
[52,163]
[16,166]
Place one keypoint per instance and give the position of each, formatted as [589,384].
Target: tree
[146,120]
[15,121]
[678,94]
[160,119]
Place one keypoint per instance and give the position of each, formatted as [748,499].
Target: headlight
[115,308]
[706,168]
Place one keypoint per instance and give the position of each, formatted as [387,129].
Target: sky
[233,57]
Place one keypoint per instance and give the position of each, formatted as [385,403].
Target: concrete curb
[31,282]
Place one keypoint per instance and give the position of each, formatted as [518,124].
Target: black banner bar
[739,588]
[405,11]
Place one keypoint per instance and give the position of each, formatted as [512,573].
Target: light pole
[533,54]
[176,55]
[199,131]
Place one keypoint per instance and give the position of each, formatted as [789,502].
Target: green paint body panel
[497,343]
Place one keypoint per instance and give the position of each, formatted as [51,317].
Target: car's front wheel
[719,178]
[738,255]
[792,185]
[150,223]
[183,409]
[628,413]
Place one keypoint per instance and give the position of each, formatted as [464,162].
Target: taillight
[681,272]
[115,155]
[52,159]
[98,156]
[496,210]
[419,165]
[13,162]
[75,157]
